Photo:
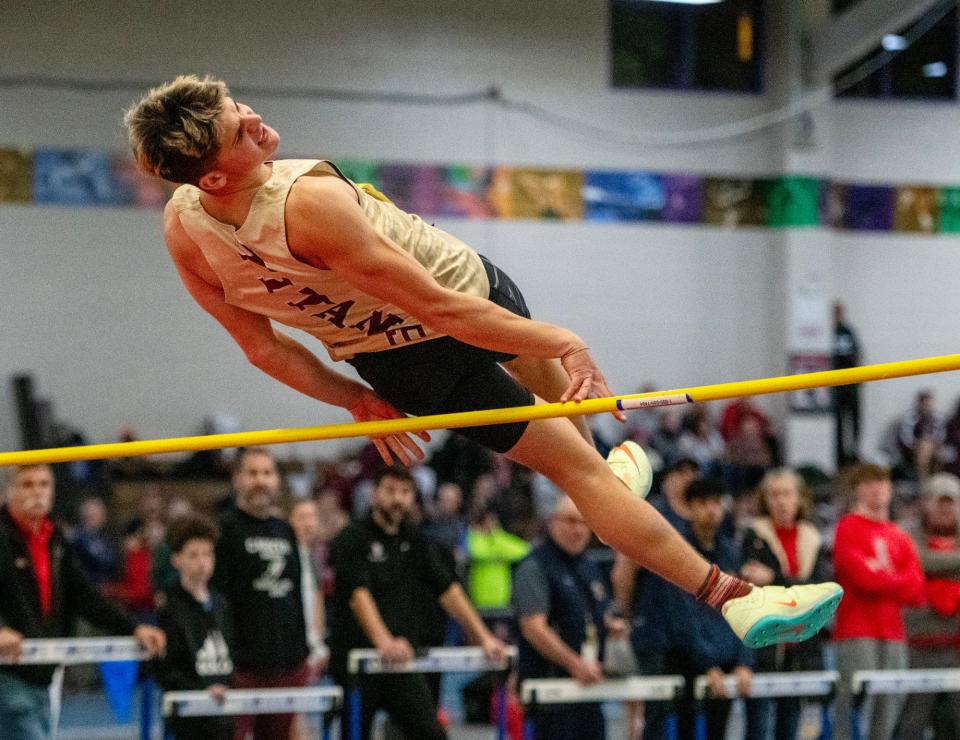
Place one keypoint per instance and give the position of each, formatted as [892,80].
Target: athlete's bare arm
[327,228]
[277,354]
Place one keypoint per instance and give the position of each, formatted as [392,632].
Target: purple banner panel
[142,190]
[414,188]
[14,176]
[76,178]
[623,196]
[683,199]
[465,192]
[868,208]
[917,209]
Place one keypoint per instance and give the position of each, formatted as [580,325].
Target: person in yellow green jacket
[491,551]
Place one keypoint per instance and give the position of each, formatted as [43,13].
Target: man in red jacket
[877,565]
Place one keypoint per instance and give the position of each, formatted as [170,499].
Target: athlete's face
[568,528]
[305,520]
[393,499]
[30,495]
[257,484]
[783,500]
[706,516]
[195,561]
[245,140]
[873,499]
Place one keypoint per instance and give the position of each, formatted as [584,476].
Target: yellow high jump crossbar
[699,394]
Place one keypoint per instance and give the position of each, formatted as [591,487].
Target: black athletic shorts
[444,375]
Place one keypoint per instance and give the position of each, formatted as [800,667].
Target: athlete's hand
[396,650]
[586,380]
[587,672]
[11,643]
[370,407]
[716,682]
[743,676]
[153,639]
[218,692]
[494,649]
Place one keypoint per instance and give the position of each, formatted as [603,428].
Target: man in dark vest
[562,607]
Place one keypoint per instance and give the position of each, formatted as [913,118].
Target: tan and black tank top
[259,274]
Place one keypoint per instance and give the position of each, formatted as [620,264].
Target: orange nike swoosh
[629,454]
[791,603]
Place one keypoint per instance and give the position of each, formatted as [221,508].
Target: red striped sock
[719,587]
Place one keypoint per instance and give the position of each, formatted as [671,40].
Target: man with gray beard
[258,570]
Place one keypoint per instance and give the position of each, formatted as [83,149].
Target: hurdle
[366,661]
[536,692]
[310,700]
[914,681]
[814,684]
[78,651]
[86,650]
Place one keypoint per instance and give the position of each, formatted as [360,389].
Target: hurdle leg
[700,722]
[826,727]
[502,710]
[671,726]
[147,697]
[325,723]
[355,710]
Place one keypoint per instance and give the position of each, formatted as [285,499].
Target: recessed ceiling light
[935,69]
[893,42]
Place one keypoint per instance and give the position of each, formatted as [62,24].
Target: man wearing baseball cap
[933,630]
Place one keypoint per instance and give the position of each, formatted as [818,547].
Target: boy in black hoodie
[198,626]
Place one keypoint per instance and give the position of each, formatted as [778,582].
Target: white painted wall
[91,306]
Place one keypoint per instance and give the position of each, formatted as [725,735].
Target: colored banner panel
[868,208]
[414,188]
[949,200]
[683,199]
[916,209]
[537,194]
[734,202]
[360,170]
[610,196]
[14,176]
[142,190]
[465,192]
[76,178]
[794,201]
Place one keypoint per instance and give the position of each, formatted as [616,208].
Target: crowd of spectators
[251,586]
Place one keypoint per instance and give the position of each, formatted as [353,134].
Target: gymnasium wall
[92,307]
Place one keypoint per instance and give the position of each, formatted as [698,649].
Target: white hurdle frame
[813,684]
[367,661]
[253,701]
[78,651]
[912,681]
[309,700]
[69,651]
[537,691]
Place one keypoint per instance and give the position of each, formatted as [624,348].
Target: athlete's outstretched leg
[759,616]
[622,520]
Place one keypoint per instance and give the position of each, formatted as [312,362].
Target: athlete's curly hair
[173,128]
